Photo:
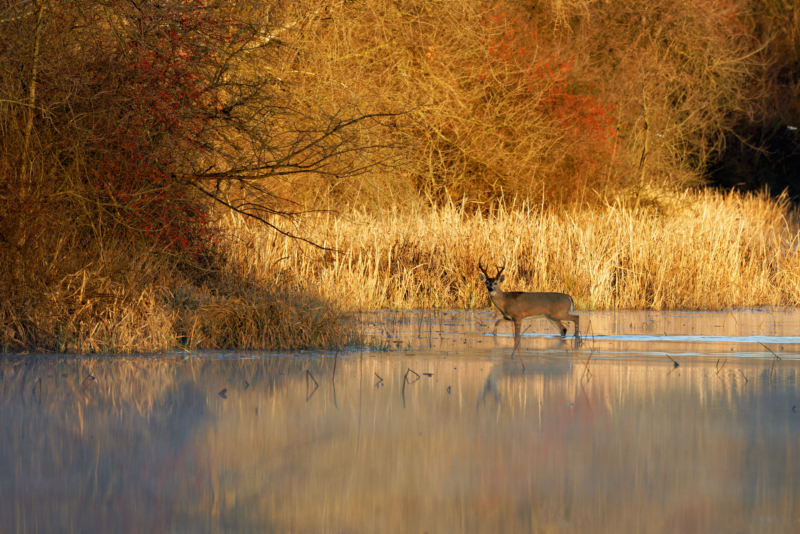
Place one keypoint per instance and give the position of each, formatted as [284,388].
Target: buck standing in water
[517,305]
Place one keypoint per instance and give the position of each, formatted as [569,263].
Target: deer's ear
[502,277]
[482,277]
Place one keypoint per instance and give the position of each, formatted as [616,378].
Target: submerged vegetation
[243,175]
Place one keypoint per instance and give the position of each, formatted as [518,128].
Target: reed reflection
[397,443]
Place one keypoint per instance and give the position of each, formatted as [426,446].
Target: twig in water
[309,375]
[223,393]
[675,364]
[410,370]
[745,378]
[316,385]
[406,381]
[403,389]
[590,329]
[774,323]
[335,359]
[721,366]
[335,402]
[769,349]
[380,379]
[773,361]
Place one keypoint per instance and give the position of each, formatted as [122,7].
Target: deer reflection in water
[512,372]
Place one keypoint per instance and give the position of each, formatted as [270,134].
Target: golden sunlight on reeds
[704,251]
[259,319]
[90,313]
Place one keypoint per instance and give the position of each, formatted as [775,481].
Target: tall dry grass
[708,251]
[155,309]
[705,251]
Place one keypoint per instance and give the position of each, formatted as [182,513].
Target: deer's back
[537,304]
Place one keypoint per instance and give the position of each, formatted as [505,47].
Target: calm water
[436,430]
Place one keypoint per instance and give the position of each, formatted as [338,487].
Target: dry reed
[92,311]
[705,251]
[262,319]
[708,250]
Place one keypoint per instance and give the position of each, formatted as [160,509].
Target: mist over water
[436,428]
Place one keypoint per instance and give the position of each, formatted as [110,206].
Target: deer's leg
[558,324]
[517,340]
[500,320]
[575,319]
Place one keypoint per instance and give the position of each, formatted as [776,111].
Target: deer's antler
[480,266]
[500,269]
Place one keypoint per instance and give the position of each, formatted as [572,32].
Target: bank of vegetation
[712,251]
[244,175]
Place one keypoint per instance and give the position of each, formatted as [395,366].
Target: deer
[518,305]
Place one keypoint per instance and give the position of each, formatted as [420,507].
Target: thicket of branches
[763,149]
[125,124]
[571,103]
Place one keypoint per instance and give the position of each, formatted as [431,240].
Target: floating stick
[316,385]
[773,361]
[335,359]
[410,370]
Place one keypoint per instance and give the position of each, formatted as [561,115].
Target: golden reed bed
[704,251]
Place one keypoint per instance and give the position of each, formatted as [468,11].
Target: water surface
[435,429]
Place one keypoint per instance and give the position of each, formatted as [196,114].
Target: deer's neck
[499,299]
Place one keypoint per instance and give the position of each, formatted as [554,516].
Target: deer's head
[488,280]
